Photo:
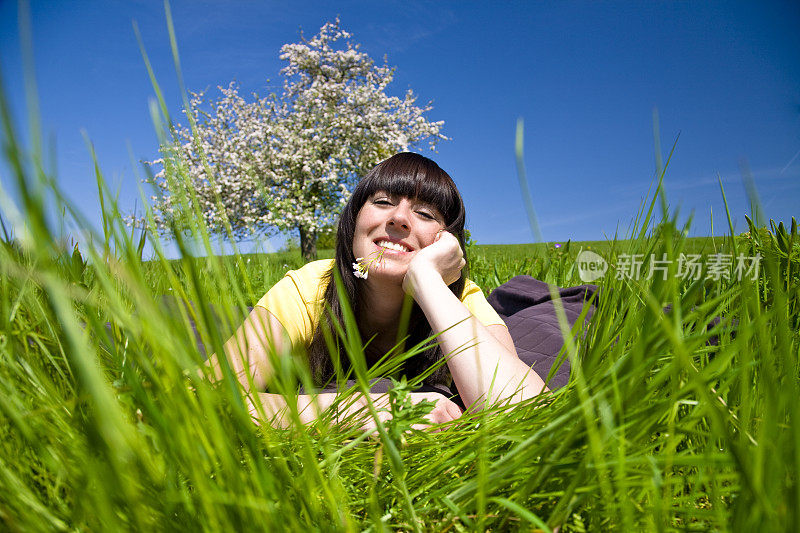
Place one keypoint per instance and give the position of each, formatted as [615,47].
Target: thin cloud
[403,35]
[790,162]
[583,215]
[771,174]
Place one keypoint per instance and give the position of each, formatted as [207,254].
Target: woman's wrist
[418,276]
[308,408]
[277,410]
[311,407]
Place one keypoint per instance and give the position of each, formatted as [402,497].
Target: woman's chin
[389,273]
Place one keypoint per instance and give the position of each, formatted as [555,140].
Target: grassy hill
[105,425]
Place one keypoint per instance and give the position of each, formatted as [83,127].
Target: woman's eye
[426,215]
[383,201]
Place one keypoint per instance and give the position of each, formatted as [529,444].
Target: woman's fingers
[443,412]
[456,260]
[453,410]
[353,412]
[447,256]
[369,421]
[444,256]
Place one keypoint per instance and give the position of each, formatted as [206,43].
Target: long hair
[411,176]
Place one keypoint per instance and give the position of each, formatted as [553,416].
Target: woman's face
[397,227]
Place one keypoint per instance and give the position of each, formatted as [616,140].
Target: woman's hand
[443,412]
[355,410]
[443,256]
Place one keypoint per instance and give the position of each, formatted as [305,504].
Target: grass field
[657,430]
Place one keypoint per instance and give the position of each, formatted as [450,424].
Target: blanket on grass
[526,305]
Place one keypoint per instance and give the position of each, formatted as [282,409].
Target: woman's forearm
[247,351]
[271,409]
[276,409]
[482,367]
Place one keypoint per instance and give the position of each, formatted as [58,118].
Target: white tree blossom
[288,162]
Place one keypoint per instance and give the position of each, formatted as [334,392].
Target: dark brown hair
[411,176]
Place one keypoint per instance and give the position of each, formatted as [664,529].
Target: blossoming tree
[288,162]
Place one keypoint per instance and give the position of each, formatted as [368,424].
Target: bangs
[417,177]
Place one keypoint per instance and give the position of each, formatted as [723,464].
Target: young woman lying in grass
[401,233]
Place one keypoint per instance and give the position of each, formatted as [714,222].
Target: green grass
[693,245]
[109,428]
[493,264]
[657,430]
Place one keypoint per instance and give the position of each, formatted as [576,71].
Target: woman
[401,233]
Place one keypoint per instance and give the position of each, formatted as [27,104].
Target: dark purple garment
[526,306]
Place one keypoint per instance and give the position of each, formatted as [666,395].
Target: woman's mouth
[394,246]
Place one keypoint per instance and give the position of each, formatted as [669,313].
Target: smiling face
[397,227]
[393,212]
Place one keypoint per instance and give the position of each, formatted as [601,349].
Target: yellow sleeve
[295,301]
[283,300]
[475,301]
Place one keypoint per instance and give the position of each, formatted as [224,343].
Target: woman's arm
[353,409]
[482,360]
[247,351]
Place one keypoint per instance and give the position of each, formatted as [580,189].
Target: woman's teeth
[393,246]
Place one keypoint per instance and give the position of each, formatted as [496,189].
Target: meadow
[672,420]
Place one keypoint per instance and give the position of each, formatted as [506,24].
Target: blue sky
[585,77]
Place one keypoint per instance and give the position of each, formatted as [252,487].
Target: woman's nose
[400,217]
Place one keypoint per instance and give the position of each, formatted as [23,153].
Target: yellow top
[296,301]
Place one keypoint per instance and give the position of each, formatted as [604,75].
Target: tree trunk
[308,244]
